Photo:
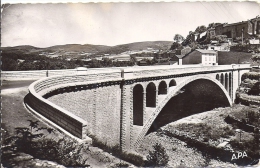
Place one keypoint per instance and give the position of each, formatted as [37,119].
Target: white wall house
[208,57]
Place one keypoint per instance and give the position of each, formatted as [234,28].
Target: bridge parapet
[44,84]
[150,71]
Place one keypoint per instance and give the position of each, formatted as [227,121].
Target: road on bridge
[15,84]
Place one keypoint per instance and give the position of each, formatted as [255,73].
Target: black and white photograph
[130,84]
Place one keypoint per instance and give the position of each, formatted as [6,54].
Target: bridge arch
[162,89]
[172,83]
[222,99]
[151,95]
[138,105]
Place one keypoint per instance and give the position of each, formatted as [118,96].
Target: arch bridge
[121,106]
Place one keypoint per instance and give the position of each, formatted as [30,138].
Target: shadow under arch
[162,89]
[193,96]
[138,105]
[151,95]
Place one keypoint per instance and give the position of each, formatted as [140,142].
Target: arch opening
[197,96]
[138,105]
[151,95]
[226,82]
[172,83]
[162,88]
[217,77]
[222,79]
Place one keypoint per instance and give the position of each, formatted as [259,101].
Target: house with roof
[199,56]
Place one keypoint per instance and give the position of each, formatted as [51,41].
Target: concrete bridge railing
[38,74]
[140,72]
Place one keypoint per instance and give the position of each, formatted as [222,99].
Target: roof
[233,24]
[180,56]
[206,51]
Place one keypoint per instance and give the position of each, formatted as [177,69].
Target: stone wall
[100,107]
[107,117]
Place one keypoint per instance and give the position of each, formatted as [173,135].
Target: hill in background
[156,45]
[79,51]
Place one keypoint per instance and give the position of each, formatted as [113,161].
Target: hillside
[78,50]
[26,49]
[163,45]
[59,49]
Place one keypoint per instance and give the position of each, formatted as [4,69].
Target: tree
[176,45]
[79,62]
[178,38]
[194,45]
[107,62]
[213,25]
[157,157]
[201,29]
[65,151]
[95,63]
[256,58]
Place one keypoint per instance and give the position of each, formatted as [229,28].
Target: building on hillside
[203,57]
[254,41]
[243,29]
[211,32]
[215,45]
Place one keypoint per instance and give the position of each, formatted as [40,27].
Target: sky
[44,25]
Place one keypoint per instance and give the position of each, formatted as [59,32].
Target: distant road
[15,84]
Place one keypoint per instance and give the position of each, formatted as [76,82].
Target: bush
[120,165]
[27,140]
[157,157]
[251,147]
[251,75]
[206,131]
